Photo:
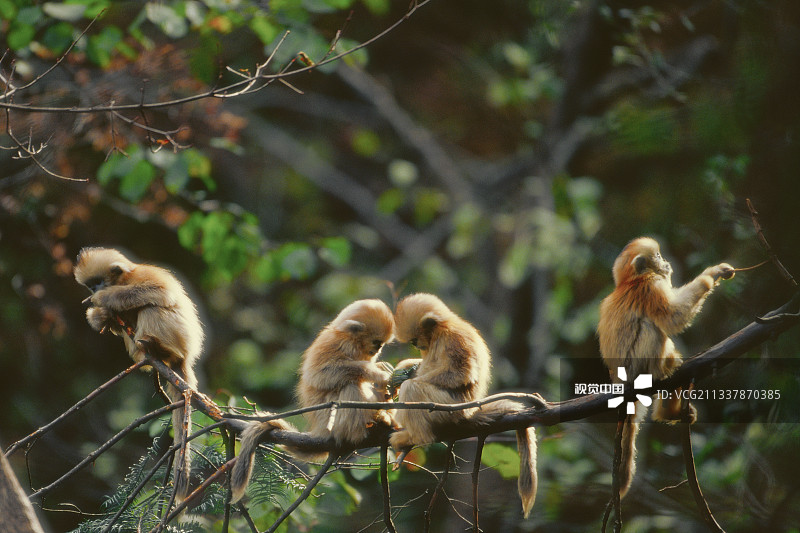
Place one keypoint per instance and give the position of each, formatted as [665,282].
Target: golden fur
[636,322]
[455,367]
[338,366]
[153,302]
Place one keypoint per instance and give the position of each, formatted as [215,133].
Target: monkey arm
[405,363]
[118,298]
[339,374]
[683,304]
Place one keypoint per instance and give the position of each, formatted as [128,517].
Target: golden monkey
[338,366]
[154,304]
[454,368]
[636,322]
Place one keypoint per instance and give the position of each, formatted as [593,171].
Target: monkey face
[373,348]
[98,268]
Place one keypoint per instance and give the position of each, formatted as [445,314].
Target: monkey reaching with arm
[152,302]
[338,366]
[636,321]
[454,368]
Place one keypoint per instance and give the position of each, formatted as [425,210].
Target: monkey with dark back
[151,301]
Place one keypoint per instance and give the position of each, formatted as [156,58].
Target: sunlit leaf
[504,459]
[335,251]
[135,183]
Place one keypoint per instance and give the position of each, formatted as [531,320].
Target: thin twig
[772,256]
[306,492]
[196,493]
[534,399]
[229,439]
[691,471]
[91,396]
[476,470]
[439,486]
[168,454]
[387,501]
[52,67]
[221,92]
[108,444]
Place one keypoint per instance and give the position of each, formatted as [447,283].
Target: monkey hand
[385,365]
[720,271]
[100,318]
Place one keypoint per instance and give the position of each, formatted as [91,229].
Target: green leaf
[176,176]
[20,35]
[297,261]
[264,29]
[377,7]
[501,458]
[335,251]
[8,11]
[172,24]
[190,231]
[216,227]
[118,165]
[267,269]
[390,201]
[366,142]
[231,257]
[135,183]
[58,37]
[29,16]
[199,166]
[102,45]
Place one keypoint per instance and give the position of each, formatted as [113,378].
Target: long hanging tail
[183,457]
[528,480]
[526,447]
[251,436]
[627,466]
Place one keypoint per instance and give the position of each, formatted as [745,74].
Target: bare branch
[91,396]
[218,92]
[387,501]
[108,444]
[439,486]
[476,470]
[691,472]
[306,492]
[773,257]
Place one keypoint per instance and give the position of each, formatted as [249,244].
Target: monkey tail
[627,466]
[251,436]
[528,480]
[526,447]
[183,464]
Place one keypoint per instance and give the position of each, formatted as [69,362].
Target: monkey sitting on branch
[338,366]
[153,304]
[455,368]
[636,322]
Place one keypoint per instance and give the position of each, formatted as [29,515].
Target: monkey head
[97,268]
[367,324]
[641,257]
[417,316]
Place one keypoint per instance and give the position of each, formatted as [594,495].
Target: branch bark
[542,412]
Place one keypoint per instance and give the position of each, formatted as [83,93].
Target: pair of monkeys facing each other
[339,365]
[636,322]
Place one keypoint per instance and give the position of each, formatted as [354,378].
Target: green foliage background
[498,154]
